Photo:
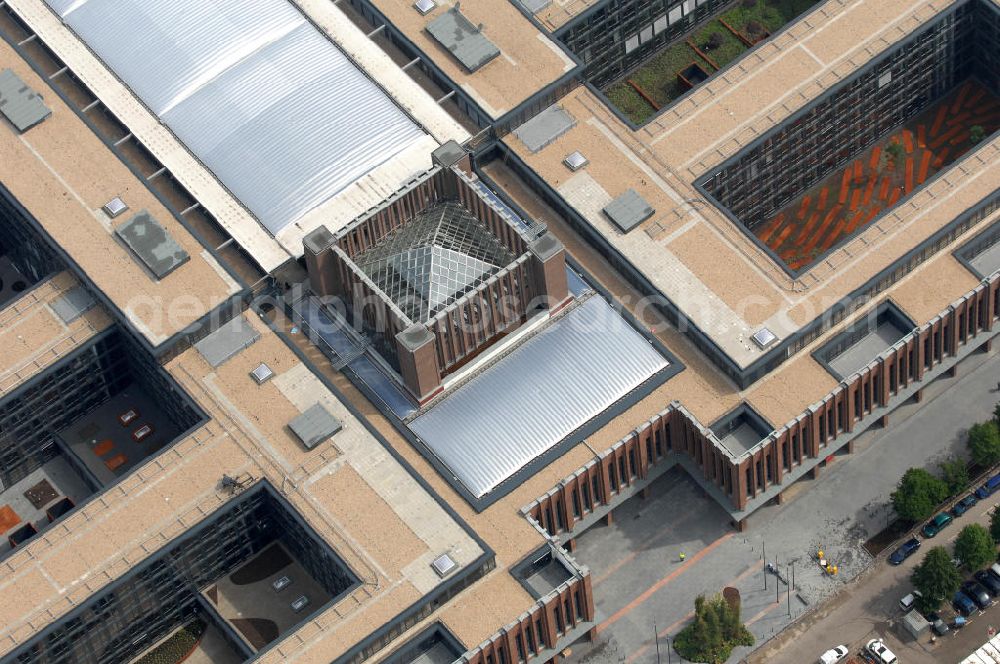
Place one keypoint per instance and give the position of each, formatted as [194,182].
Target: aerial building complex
[326,327]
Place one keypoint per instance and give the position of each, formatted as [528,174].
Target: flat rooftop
[270,85]
[688,249]
[528,61]
[63,174]
[33,335]
[349,489]
[554,14]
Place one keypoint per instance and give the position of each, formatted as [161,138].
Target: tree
[976,133]
[937,579]
[918,495]
[714,632]
[956,475]
[984,441]
[895,152]
[975,547]
[996,414]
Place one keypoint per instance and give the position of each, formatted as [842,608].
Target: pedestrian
[682,556]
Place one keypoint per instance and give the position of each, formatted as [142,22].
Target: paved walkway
[642,589]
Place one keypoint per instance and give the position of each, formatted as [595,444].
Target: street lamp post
[656,636]
[788,594]
[763,553]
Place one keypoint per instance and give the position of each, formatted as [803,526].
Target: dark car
[964,505]
[938,625]
[905,550]
[989,580]
[963,604]
[936,525]
[978,593]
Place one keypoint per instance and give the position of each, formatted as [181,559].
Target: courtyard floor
[851,197]
[645,595]
[711,45]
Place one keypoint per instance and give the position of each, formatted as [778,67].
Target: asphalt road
[642,589]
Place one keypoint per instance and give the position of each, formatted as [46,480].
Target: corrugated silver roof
[270,105]
[551,385]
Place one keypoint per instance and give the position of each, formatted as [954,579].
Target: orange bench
[104,447]
[115,462]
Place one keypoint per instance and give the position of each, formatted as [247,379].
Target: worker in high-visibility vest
[682,556]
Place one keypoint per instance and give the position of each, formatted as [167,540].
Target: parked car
[995,570]
[989,488]
[909,600]
[963,604]
[964,505]
[938,625]
[978,593]
[881,652]
[989,580]
[905,550]
[833,655]
[936,525]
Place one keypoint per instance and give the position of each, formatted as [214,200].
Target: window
[646,34]
[688,6]
[674,15]
[631,43]
[660,24]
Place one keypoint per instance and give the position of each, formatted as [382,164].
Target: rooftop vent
[575,161]
[262,374]
[425,7]
[444,565]
[764,337]
[73,303]
[22,106]
[463,39]
[152,245]
[314,426]
[227,341]
[545,128]
[628,211]
[114,207]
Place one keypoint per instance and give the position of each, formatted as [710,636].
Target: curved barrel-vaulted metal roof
[270,105]
[524,404]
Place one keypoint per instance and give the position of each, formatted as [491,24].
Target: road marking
[649,592]
[762,614]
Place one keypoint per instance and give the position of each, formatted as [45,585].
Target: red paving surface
[849,199]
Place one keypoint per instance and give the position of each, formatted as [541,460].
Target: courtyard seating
[116,462]
[129,416]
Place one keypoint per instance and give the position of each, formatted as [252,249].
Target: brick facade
[674,436]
